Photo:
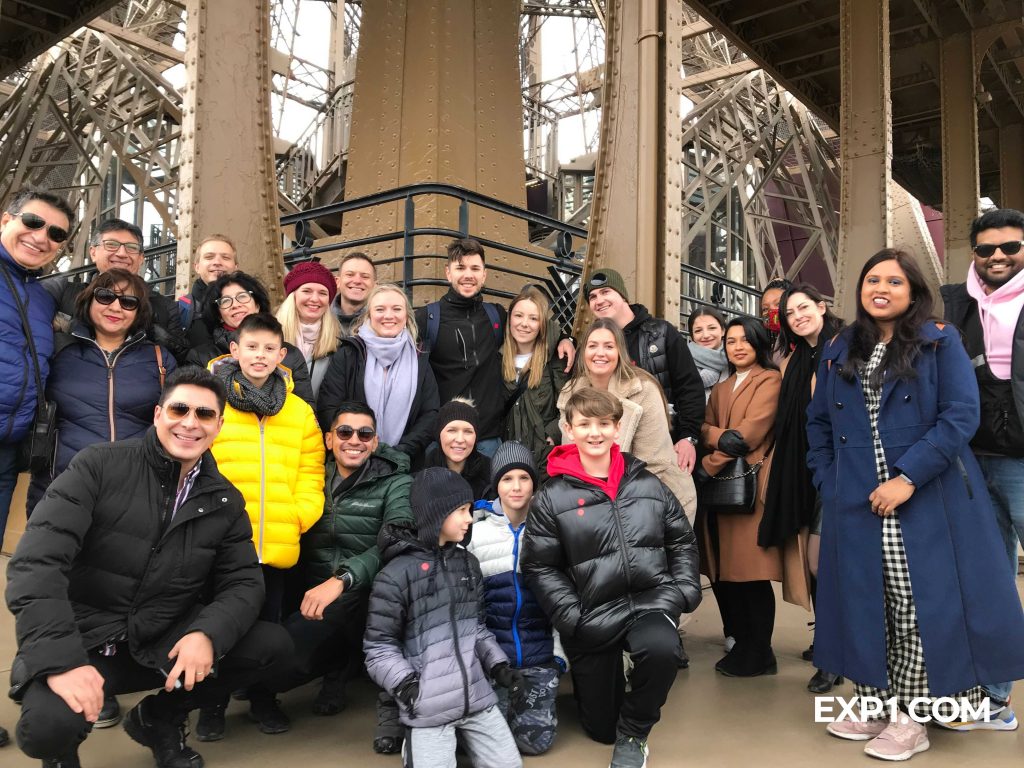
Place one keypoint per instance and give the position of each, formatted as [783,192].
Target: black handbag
[36,451]
[733,490]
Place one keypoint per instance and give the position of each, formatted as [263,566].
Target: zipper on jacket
[263,485]
[455,634]
[111,362]
[519,595]
[625,549]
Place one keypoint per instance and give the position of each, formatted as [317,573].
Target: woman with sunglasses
[105,376]
[914,597]
[230,299]
[380,365]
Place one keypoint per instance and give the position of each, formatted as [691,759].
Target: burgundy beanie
[310,272]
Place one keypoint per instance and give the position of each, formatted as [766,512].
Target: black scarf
[790,495]
[243,395]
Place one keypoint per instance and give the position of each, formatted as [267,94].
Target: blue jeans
[488,446]
[1004,476]
[8,479]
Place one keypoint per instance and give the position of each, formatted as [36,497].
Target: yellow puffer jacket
[277,463]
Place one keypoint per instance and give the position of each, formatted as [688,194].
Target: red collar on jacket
[565,460]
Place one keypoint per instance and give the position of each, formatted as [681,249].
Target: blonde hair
[219,239]
[535,367]
[410,316]
[624,371]
[326,341]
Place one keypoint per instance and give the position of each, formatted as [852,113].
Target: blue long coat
[968,611]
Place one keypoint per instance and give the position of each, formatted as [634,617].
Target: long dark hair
[788,339]
[757,337]
[905,345]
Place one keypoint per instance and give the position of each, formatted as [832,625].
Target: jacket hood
[640,314]
[565,460]
[396,540]
[225,365]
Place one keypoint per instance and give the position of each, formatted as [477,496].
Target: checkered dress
[908,678]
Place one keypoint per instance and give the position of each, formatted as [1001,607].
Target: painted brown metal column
[865,207]
[959,150]
[1011,166]
[636,223]
[227,182]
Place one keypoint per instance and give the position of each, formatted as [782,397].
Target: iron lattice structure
[99,118]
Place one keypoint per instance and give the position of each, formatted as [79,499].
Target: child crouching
[426,642]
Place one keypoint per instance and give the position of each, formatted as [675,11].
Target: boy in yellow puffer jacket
[272,451]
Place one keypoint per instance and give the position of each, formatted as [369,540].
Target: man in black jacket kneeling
[137,571]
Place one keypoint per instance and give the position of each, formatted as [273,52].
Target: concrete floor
[709,720]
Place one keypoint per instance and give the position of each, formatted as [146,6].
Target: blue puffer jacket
[98,401]
[17,377]
[513,613]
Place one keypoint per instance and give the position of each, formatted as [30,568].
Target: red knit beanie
[310,272]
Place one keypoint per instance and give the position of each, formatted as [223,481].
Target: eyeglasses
[365,434]
[242,298]
[986,251]
[35,221]
[112,246]
[105,296]
[179,411]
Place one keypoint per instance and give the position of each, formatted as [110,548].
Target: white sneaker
[1002,720]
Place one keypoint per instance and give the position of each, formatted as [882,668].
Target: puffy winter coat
[18,390]
[344,381]
[514,614]
[426,619]
[95,562]
[277,462]
[100,401]
[596,563]
[345,536]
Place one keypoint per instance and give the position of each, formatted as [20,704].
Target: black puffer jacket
[93,564]
[426,619]
[344,381]
[595,564]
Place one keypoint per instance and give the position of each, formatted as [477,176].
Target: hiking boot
[210,726]
[857,731]
[1001,720]
[265,711]
[630,752]
[71,761]
[823,681]
[331,698]
[899,741]
[166,739]
[110,714]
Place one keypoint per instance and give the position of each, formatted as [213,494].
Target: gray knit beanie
[436,493]
[512,455]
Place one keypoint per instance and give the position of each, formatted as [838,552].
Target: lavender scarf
[389,381]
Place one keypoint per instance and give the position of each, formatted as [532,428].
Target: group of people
[467,503]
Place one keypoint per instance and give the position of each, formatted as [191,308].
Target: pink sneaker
[857,731]
[900,741]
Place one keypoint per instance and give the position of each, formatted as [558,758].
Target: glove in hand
[732,443]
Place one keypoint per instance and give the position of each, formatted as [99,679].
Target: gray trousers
[485,736]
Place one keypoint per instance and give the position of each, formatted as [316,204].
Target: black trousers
[48,729]
[605,707]
[748,614]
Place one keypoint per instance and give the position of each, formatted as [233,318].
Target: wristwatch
[906,479]
[345,578]
[691,440]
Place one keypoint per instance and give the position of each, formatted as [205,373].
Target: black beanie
[456,410]
[512,455]
[436,493]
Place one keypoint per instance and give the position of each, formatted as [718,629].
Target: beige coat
[644,432]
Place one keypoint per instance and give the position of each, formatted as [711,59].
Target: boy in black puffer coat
[426,640]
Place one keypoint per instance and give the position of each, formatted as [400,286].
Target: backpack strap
[492,315]
[185,309]
[433,324]
[160,364]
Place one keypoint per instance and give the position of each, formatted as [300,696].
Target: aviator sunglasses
[35,221]
[182,410]
[365,434]
[106,297]
[986,250]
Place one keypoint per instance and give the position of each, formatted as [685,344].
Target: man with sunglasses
[137,572]
[366,488]
[33,227]
[118,244]
[989,311]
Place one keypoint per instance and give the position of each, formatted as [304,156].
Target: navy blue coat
[968,611]
[84,387]
[18,389]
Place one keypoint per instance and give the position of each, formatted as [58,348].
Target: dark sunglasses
[365,434]
[106,297]
[35,221]
[1010,248]
[182,410]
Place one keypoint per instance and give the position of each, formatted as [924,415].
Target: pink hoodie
[998,312]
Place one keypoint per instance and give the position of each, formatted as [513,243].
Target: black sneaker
[210,726]
[63,762]
[110,714]
[4,738]
[331,698]
[165,739]
[266,712]
[629,752]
